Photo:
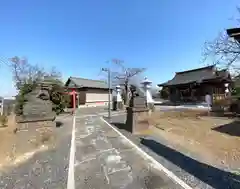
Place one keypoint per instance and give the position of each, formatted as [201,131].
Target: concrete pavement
[99,158]
[104,159]
[185,165]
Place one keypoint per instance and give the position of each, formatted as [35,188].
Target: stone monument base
[135,122]
[119,105]
[26,126]
[35,118]
[151,107]
[34,122]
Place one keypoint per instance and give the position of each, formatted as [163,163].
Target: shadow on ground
[213,176]
[232,128]
[122,126]
[59,123]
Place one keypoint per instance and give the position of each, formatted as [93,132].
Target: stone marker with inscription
[38,107]
[136,112]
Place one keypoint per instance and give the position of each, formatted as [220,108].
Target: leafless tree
[122,75]
[223,51]
[26,73]
[27,76]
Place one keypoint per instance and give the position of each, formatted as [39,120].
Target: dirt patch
[215,140]
[15,143]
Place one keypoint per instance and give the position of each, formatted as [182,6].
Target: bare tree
[124,76]
[223,51]
[27,76]
[25,73]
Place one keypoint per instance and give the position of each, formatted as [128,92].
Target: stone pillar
[147,86]
[119,98]
[137,114]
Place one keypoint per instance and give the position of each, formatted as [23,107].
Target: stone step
[36,107]
[39,111]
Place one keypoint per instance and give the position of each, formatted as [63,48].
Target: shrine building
[192,85]
[88,92]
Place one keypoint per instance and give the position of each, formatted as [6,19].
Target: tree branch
[124,76]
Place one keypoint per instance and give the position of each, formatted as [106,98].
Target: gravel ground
[193,172]
[48,169]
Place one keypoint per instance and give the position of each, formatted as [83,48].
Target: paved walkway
[104,160]
[45,170]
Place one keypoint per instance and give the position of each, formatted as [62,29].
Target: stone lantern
[146,87]
[226,85]
[119,98]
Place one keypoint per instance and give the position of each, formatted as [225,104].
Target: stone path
[104,160]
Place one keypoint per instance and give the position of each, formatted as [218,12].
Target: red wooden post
[73,93]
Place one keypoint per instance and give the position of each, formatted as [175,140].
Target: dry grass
[14,144]
[8,141]
[194,131]
[42,136]
[3,121]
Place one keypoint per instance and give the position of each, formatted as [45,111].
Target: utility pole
[108,70]
[109,94]
[2,104]
[109,91]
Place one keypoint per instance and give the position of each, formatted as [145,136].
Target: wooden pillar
[73,93]
[78,100]
[176,94]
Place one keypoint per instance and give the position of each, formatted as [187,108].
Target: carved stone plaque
[38,107]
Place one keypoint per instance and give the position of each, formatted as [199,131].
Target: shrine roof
[198,75]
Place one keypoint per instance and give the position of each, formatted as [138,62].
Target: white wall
[96,95]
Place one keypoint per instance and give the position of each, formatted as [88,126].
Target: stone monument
[136,112]
[38,107]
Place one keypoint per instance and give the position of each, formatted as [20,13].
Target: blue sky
[78,36]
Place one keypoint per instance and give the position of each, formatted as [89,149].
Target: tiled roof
[88,83]
[197,75]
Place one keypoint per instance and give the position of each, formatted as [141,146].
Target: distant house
[89,92]
[192,85]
